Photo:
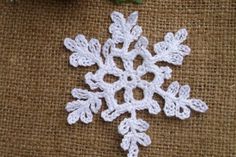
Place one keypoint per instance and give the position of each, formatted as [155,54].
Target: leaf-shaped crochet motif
[177,101]
[133,131]
[180,106]
[128,124]
[85,54]
[83,107]
[171,50]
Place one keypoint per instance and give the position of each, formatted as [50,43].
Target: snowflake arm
[171,50]
[179,106]
[81,109]
[84,53]
[177,102]
[133,131]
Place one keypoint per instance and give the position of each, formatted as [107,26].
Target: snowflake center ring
[124,31]
[129,78]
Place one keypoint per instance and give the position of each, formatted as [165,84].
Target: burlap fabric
[36,79]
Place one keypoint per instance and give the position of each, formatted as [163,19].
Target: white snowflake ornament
[125,31]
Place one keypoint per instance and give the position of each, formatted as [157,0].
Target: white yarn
[125,31]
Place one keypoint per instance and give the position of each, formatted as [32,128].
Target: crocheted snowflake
[125,31]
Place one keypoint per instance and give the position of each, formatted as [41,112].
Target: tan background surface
[36,80]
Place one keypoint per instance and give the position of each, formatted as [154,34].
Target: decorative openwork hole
[131,46]
[119,45]
[148,77]
[138,93]
[129,78]
[119,62]
[120,96]
[109,78]
[138,60]
[181,110]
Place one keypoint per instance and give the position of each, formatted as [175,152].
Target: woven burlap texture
[36,79]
